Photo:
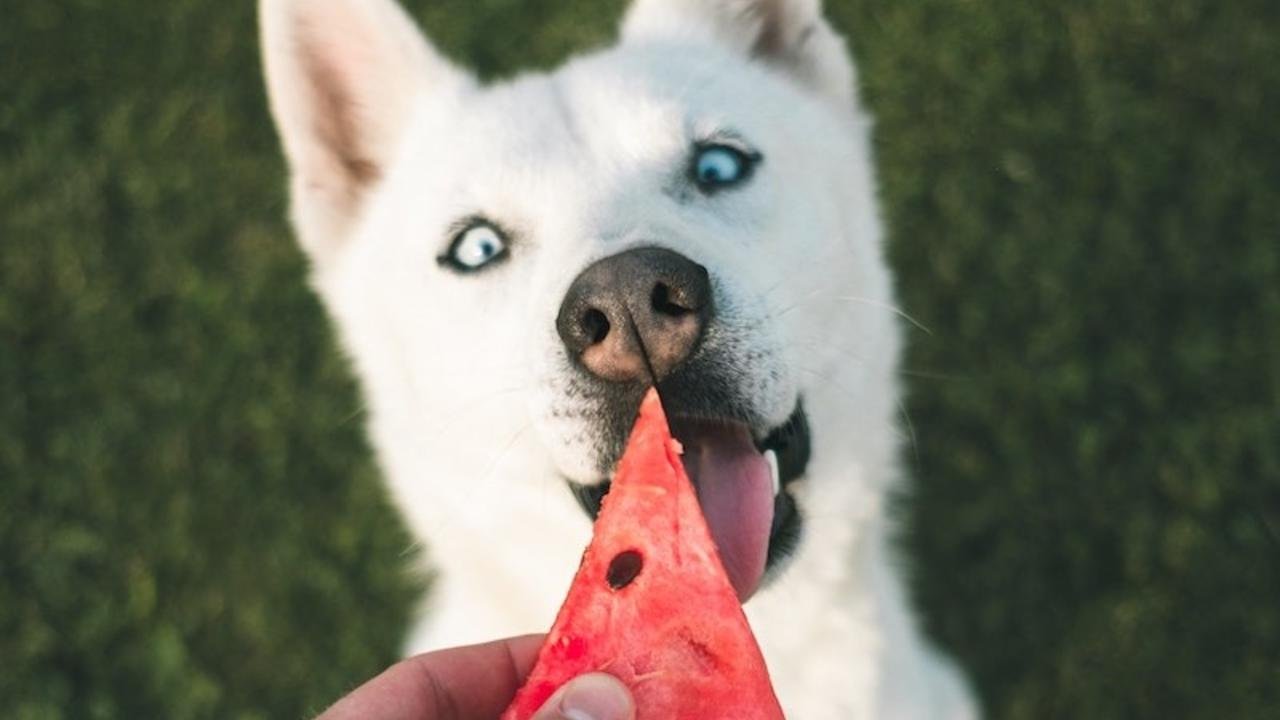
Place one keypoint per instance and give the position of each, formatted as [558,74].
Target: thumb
[595,696]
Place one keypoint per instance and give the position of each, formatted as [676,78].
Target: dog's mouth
[743,486]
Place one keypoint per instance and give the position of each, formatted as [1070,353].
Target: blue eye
[474,248]
[720,166]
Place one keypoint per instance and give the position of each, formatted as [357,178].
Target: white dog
[509,265]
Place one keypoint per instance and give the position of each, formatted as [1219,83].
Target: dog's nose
[650,296]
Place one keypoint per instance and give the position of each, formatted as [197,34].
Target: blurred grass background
[1084,204]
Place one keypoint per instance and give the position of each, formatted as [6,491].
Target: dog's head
[512,265]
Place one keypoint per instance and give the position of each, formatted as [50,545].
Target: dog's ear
[791,34]
[343,78]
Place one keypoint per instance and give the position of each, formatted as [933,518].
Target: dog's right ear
[791,35]
[343,78]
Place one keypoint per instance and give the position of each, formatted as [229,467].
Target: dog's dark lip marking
[784,536]
[791,443]
[590,496]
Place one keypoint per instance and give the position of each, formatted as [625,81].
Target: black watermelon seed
[624,568]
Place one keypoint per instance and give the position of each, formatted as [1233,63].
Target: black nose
[645,295]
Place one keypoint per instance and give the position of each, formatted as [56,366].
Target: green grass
[1084,204]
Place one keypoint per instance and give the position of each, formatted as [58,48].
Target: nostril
[665,303]
[595,326]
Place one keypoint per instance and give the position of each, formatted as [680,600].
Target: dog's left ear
[790,34]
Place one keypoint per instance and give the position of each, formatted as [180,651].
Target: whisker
[855,355]
[773,288]
[828,379]
[413,547]
[455,419]
[911,432]
[816,292]
[929,374]
[853,396]
[502,453]
[361,408]
[476,370]
[885,306]
[839,351]
[798,303]
[819,261]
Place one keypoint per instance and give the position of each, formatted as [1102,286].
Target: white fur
[389,145]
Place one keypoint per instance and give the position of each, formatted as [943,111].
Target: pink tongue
[736,492]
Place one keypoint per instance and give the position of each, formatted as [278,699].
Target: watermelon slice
[651,603]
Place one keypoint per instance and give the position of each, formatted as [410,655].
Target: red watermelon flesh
[651,603]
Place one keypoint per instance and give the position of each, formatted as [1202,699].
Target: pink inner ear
[335,122]
[773,36]
[341,63]
[347,73]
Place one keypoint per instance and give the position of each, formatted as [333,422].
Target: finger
[467,683]
[596,696]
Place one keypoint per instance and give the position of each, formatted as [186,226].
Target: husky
[511,265]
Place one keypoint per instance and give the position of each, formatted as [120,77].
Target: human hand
[477,682]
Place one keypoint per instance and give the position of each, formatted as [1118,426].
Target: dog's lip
[790,442]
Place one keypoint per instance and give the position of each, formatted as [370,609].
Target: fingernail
[596,696]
